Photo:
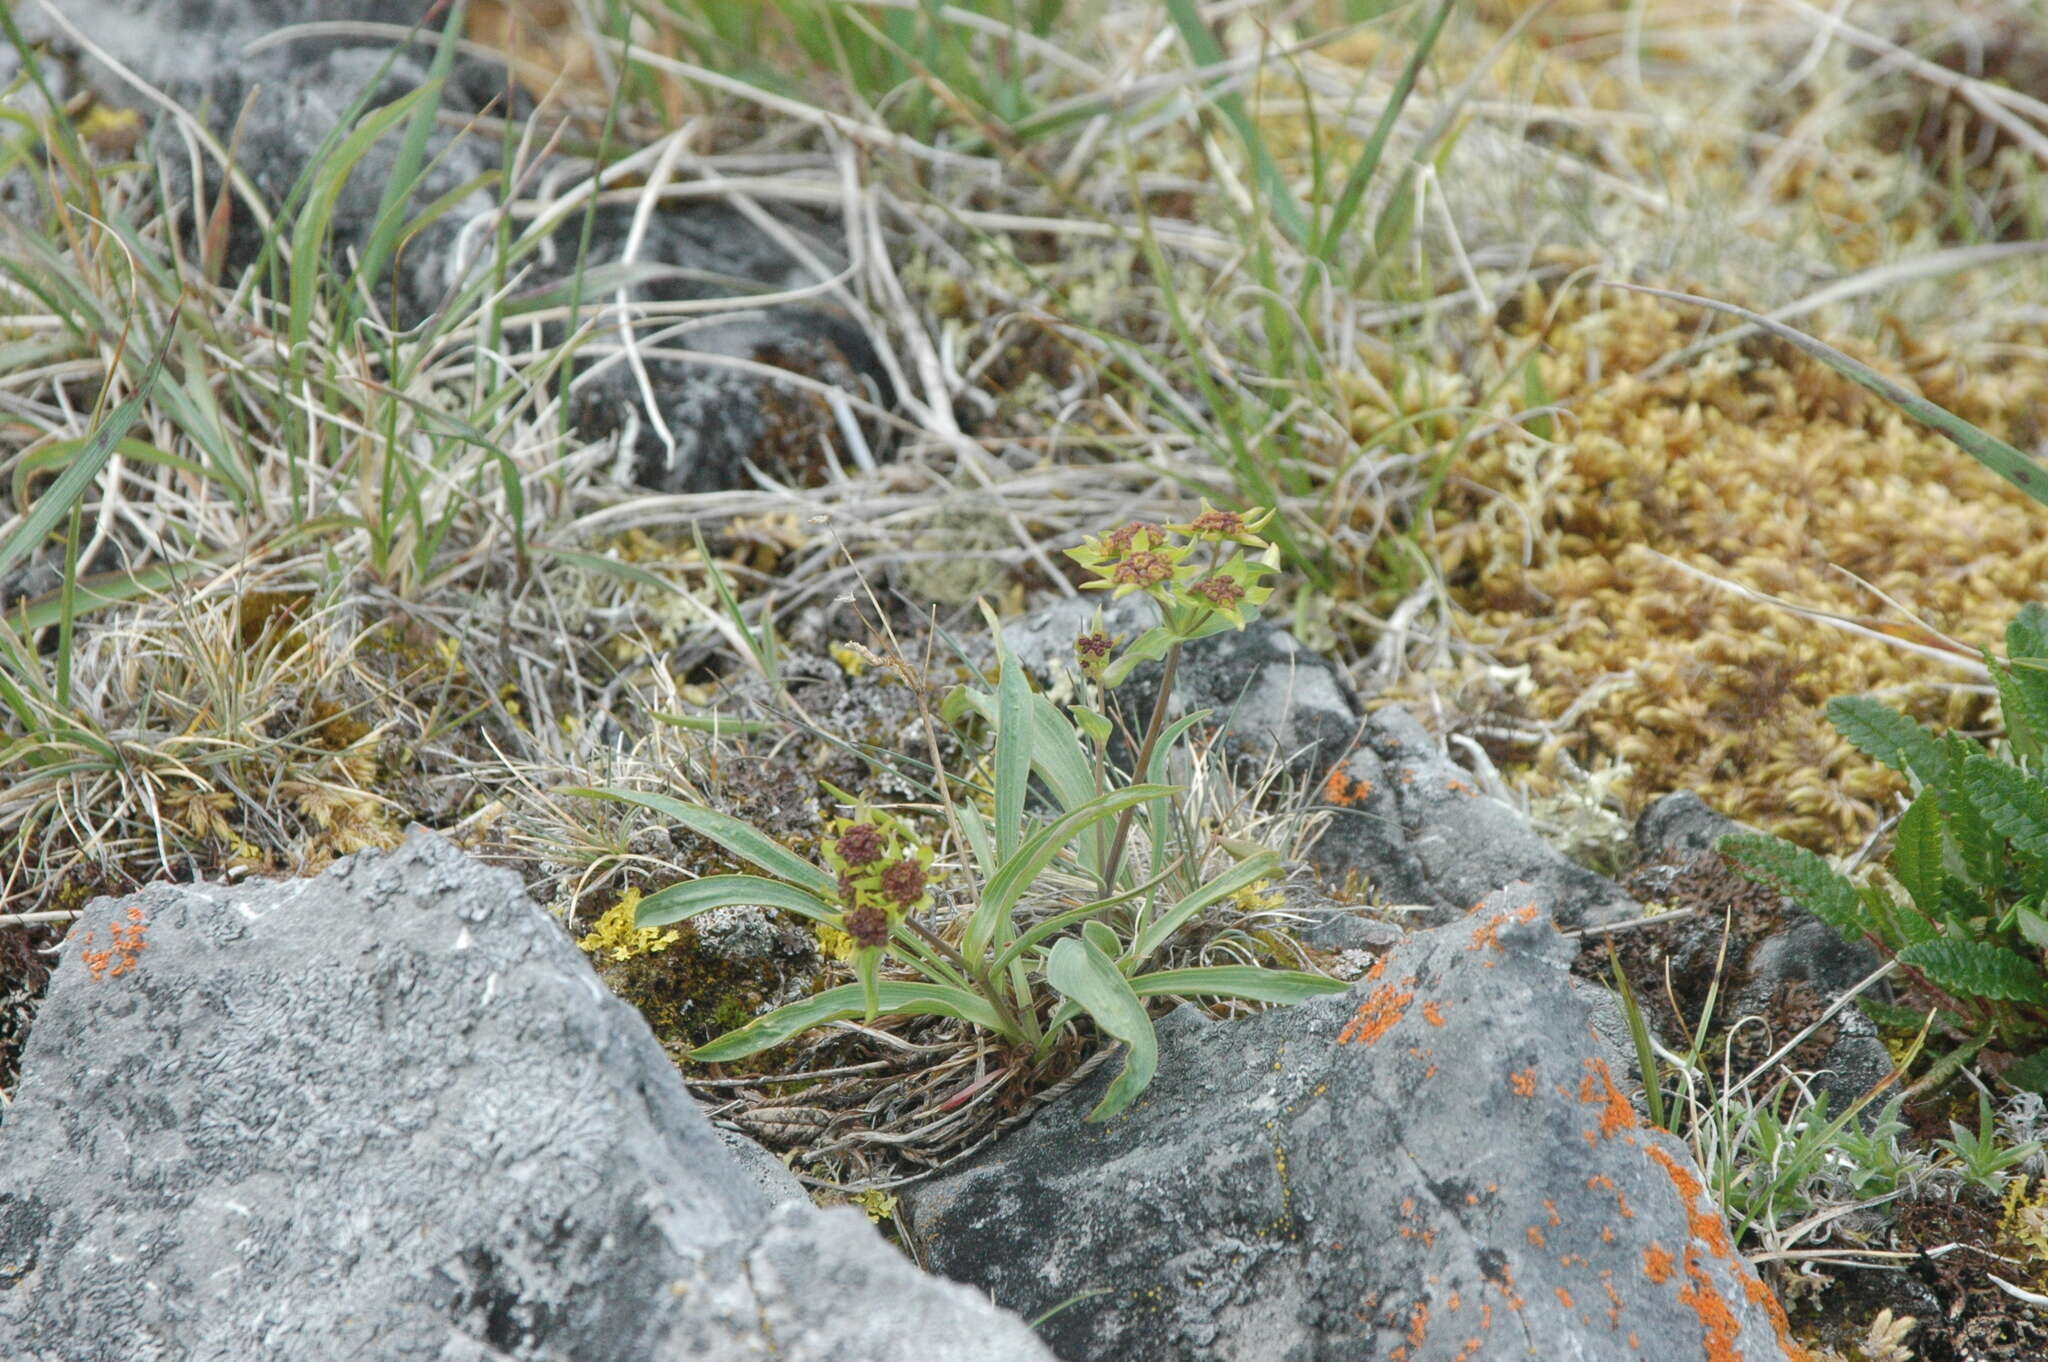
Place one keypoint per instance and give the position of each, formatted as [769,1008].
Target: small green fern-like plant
[1971,853]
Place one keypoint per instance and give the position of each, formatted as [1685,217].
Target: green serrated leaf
[1090,979]
[1804,876]
[2032,926]
[2023,708]
[2012,801]
[1883,734]
[1978,969]
[1917,854]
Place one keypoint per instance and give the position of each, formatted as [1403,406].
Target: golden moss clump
[1756,466]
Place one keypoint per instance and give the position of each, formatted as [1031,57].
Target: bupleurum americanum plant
[976,946]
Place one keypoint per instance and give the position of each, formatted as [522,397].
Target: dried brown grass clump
[1762,468]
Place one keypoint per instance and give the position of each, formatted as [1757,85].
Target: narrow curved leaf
[1252,983]
[1239,876]
[1013,753]
[741,839]
[844,1004]
[1018,873]
[1090,979]
[680,902]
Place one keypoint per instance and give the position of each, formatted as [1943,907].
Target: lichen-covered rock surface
[1412,827]
[1438,1166]
[390,1113]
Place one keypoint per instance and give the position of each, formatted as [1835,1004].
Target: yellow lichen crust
[1761,468]
[616,938]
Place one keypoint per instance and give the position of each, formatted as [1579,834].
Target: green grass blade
[1995,454]
[1202,46]
[56,503]
[1368,162]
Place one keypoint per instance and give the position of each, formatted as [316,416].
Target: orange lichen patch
[1706,1224]
[1454,1303]
[1524,1083]
[1536,1239]
[1433,1013]
[1487,935]
[1555,1218]
[1614,1303]
[1564,1298]
[1456,786]
[1418,1324]
[1345,790]
[1700,1295]
[1379,1013]
[1467,1353]
[1616,1115]
[130,940]
[1379,967]
[1658,1264]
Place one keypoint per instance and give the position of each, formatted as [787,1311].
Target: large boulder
[1438,1166]
[390,1113]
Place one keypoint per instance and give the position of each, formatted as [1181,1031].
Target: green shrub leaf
[1091,980]
[2012,801]
[1883,734]
[1977,969]
[1917,854]
[1806,877]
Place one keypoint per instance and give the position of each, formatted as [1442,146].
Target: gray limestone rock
[390,1113]
[1437,1165]
[1272,697]
[1414,827]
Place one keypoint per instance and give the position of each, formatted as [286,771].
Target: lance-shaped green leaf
[1252,983]
[1091,980]
[1884,734]
[999,897]
[1013,752]
[680,902]
[845,1003]
[1917,854]
[747,843]
[1240,876]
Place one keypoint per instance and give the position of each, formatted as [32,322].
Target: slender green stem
[1158,722]
[1019,1028]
